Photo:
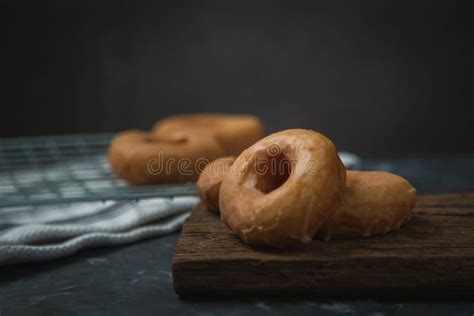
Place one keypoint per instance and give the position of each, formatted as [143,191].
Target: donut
[146,158]
[233,132]
[210,179]
[281,190]
[374,203]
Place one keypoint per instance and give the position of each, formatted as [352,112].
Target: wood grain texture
[431,256]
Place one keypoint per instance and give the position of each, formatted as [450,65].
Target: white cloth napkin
[36,233]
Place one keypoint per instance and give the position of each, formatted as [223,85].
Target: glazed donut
[233,132]
[210,179]
[374,203]
[281,190]
[145,158]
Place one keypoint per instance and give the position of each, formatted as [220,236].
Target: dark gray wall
[378,77]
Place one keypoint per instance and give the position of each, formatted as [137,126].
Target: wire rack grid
[69,168]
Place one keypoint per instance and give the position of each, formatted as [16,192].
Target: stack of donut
[179,147]
[291,187]
[279,191]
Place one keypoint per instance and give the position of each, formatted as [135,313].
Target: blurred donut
[233,132]
[146,158]
[281,190]
[374,203]
[210,179]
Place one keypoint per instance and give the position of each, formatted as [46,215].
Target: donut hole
[272,171]
[176,140]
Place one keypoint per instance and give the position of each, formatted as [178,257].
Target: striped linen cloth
[45,232]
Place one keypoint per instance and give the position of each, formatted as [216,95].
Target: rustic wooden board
[432,256]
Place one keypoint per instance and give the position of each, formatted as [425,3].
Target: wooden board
[431,256]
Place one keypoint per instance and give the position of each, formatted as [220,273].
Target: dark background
[381,78]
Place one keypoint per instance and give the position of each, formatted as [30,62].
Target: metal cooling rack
[63,169]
